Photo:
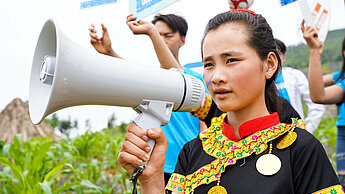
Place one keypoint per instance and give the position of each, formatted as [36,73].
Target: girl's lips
[221,92]
[222,95]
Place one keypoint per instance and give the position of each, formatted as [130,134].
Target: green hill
[298,56]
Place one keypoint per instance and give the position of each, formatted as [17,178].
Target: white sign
[144,8]
[319,17]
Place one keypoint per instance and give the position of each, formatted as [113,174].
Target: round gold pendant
[287,140]
[217,190]
[268,164]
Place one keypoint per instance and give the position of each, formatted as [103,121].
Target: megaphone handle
[152,113]
[143,120]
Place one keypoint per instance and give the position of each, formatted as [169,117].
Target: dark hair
[260,37]
[342,67]
[175,22]
[280,46]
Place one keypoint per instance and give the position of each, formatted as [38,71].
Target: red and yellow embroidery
[301,124]
[176,183]
[226,152]
[203,111]
[216,144]
[336,189]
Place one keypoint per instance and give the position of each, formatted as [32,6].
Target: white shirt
[297,87]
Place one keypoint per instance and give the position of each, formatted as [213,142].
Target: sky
[22,21]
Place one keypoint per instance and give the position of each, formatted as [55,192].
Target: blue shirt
[336,75]
[181,128]
[281,88]
[341,105]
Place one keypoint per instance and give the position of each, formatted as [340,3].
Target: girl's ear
[271,65]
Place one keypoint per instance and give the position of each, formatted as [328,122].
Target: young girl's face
[233,72]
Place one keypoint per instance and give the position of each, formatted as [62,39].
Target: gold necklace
[218,189]
[268,164]
[287,140]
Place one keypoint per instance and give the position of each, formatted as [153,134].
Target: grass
[85,164]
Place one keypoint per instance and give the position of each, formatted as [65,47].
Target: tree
[54,121]
[112,121]
[87,124]
[123,127]
[64,126]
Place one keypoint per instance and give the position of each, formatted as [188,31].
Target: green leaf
[6,150]
[55,170]
[123,173]
[15,169]
[46,187]
[66,187]
[5,161]
[2,143]
[89,184]
[116,180]
[12,187]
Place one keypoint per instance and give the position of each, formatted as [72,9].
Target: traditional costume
[270,157]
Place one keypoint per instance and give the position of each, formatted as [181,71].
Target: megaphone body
[64,74]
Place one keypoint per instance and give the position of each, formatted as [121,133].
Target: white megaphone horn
[64,74]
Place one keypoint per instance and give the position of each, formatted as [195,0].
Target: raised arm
[103,44]
[315,111]
[318,93]
[165,57]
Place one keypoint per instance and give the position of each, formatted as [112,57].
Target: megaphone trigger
[152,113]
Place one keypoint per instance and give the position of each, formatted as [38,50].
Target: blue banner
[285,2]
[144,8]
[144,4]
[93,3]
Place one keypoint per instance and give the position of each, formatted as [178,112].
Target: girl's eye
[208,65]
[231,60]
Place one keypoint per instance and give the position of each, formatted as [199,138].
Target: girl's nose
[218,76]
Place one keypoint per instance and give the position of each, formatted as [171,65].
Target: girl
[332,94]
[246,149]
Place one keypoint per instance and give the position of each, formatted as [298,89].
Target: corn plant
[32,169]
[85,164]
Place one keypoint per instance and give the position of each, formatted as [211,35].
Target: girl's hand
[134,150]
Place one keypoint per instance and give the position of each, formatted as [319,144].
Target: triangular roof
[15,119]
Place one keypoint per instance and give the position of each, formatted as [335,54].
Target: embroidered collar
[226,152]
[250,126]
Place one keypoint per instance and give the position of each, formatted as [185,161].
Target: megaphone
[64,74]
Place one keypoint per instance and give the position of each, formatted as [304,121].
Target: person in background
[247,149]
[168,33]
[327,89]
[293,85]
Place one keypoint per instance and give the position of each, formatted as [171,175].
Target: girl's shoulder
[306,147]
